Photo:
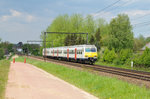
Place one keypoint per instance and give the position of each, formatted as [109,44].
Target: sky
[22,20]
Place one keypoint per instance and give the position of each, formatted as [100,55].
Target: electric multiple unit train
[77,53]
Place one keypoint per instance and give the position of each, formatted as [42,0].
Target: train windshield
[90,50]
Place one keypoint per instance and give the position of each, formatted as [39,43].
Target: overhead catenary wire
[141,16]
[115,8]
[108,6]
[141,24]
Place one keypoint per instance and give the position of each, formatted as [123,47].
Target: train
[76,53]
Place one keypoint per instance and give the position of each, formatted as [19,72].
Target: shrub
[144,59]
[99,56]
[105,55]
[117,61]
[124,55]
[109,56]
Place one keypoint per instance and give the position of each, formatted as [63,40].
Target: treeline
[32,49]
[76,23]
[114,40]
[5,49]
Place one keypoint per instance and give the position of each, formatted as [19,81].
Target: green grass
[102,87]
[4,69]
[123,66]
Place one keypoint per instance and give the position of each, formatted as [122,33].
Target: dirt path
[29,82]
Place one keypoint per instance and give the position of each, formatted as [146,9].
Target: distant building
[147,45]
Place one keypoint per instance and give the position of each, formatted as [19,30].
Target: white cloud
[17,16]
[147,35]
[15,13]
[5,17]
[134,13]
[128,2]
[105,15]
[30,18]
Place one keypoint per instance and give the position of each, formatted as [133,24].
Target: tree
[98,38]
[1,53]
[121,35]
[147,40]
[80,40]
[97,35]
[66,41]
[92,40]
[139,42]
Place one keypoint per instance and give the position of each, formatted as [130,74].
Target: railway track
[145,76]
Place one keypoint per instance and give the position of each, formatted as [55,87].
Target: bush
[109,56]
[124,55]
[105,55]
[144,59]
[99,56]
[117,61]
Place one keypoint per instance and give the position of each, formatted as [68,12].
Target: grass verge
[123,66]
[102,87]
[4,69]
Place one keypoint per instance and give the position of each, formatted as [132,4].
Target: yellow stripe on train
[90,54]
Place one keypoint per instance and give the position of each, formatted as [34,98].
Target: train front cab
[90,54]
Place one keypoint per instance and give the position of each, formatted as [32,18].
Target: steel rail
[145,76]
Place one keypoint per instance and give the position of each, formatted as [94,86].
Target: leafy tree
[139,42]
[80,40]
[34,49]
[8,47]
[92,40]
[97,35]
[98,38]
[76,23]
[121,35]
[1,53]
[147,40]
[66,41]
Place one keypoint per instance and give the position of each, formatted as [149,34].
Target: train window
[87,50]
[65,52]
[90,50]
[93,50]
[60,52]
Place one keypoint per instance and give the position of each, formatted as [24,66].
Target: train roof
[85,45]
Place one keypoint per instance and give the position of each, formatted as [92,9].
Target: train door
[75,53]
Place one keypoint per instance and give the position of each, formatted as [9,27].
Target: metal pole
[27,49]
[87,38]
[44,46]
